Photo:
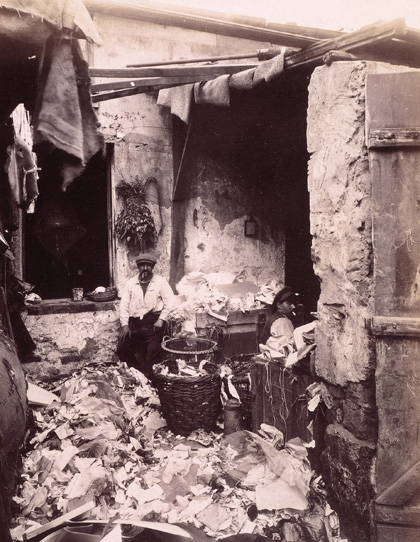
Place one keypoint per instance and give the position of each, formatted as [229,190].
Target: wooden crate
[279,399]
[239,335]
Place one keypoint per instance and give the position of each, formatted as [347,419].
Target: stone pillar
[340,207]
[341,210]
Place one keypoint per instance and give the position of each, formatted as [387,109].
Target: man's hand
[158,324]
[124,333]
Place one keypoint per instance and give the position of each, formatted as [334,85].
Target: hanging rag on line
[217,91]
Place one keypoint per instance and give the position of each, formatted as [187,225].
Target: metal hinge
[394,137]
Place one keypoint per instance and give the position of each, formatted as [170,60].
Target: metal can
[77,294]
[233,420]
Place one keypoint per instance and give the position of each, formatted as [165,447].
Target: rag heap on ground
[99,435]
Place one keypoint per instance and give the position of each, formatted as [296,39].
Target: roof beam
[174,71]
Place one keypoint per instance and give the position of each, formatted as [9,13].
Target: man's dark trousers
[144,347]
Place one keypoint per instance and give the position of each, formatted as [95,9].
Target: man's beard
[146,274]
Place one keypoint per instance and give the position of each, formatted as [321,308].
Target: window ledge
[67,306]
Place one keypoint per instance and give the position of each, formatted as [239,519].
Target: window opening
[66,240]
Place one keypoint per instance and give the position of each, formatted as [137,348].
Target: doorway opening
[248,161]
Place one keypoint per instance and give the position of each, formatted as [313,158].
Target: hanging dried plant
[135,224]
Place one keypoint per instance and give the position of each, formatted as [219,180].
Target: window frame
[66,305]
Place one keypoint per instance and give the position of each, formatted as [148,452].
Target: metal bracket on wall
[393,326]
[394,137]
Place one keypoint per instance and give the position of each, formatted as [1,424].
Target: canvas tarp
[20,20]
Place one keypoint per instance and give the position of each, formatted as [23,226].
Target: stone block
[347,466]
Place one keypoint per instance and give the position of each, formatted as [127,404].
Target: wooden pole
[147,82]
[195,60]
[366,36]
[177,71]
[127,92]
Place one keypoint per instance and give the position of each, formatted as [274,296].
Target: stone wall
[66,341]
[341,209]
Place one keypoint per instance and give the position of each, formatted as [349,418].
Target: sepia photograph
[209,271]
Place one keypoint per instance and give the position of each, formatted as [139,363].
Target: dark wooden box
[239,335]
[279,399]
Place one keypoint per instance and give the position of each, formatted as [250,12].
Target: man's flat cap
[286,294]
[149,258]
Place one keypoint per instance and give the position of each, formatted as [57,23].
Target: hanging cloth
[217,91]
[22,173]
[64,116]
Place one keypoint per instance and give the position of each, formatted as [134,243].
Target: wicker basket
[189,402]
[189,349]
[109,295]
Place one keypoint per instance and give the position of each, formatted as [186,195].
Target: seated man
[145,304]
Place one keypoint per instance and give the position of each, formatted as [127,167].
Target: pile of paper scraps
[217,294]
[99,434]
[180,368]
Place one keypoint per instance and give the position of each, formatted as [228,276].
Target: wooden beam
[127,92]
[178,71]
[334,56]
[60,521]
[197,60]
[147,82]
[392,52]
[367,35]
[394,137]
[217,23]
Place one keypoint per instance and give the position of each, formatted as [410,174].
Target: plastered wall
[140,129]
[214,224]
[65,341]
